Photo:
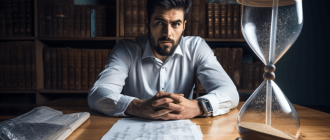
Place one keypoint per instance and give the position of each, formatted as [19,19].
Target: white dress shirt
[133,68]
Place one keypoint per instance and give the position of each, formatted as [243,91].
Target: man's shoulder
[133,45]
[192,41]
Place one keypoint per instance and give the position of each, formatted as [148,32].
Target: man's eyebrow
[158,18]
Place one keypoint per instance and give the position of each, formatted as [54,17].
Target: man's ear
[184,24]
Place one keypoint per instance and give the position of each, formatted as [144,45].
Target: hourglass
[270,27]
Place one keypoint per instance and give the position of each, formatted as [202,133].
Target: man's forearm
[131,108]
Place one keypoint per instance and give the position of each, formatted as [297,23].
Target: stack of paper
[141,129]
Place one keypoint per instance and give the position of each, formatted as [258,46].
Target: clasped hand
[165,106]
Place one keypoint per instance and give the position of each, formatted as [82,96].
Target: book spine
[48,20]
[223,20]
[224,59]
[236,20]
[47,68]
[141,24]
[27,65]
[7,56]
[20,66]
[15,16]
[195,18]
[71,72]
[76,20]
[134,19]
[21,6]
[77,69]
[88,21]
[13,66]
[105,54]
[28,18]
[240,33]
[64,68]
[54,19]
[104,21]
[98,62]
[2,73]
[256,75]
[230,10]
[84,69]
[218,54]
[93,21]
[121,18]
[231,59]
[210,21]
[202,19]
[250,75]
[238,67]
[2,19]
[245,74]
[82,21]
[71,17]
[41,20]
[91,67]
[187,31]
[8,18]
[59,67]
[98,20]
[53,68]
[33,66]
[128,17]
[65,12]
[216,20]
[59,17]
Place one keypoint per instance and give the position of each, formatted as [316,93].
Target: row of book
[68,68]
[250,78]
[223,19]
[17,65]
[132,17]
[213,19]
[69,20]
[16,18]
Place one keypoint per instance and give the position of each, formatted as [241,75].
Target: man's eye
[175,24]
[159,23]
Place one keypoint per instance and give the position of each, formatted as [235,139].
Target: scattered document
[141,129]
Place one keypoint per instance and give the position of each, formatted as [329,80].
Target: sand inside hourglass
[256,131]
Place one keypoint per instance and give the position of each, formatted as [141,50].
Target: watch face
[208,105]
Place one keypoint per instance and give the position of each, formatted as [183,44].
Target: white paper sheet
[141,129]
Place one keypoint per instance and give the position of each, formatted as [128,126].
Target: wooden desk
[315,125]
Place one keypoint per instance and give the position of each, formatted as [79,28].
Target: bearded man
[156,73]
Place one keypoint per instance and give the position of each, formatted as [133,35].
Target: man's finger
[175,107]
[162,93]
[160,113]
[171,116]
[162,101]
[178,98]
[180,94]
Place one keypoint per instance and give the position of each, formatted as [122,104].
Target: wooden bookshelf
[41,93]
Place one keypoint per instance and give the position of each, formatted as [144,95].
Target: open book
[42,123]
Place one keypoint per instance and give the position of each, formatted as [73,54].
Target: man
[153,68]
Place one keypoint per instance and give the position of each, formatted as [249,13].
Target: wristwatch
[206,107]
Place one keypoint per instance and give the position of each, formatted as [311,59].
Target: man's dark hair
[168,4]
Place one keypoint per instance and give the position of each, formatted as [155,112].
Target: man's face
[165,30]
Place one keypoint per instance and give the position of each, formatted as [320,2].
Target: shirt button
[162,67]
[162,88]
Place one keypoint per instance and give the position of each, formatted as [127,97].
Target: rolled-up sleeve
[104,96]
[221,91]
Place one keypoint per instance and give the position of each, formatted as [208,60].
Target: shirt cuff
[122,105]
[220,105]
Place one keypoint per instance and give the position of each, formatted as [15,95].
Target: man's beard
[162,51]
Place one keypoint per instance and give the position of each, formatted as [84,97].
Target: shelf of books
[57,46]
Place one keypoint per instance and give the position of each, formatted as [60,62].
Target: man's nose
[168,31]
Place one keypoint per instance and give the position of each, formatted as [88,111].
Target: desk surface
[314,124]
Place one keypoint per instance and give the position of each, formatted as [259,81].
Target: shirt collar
[148,52]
